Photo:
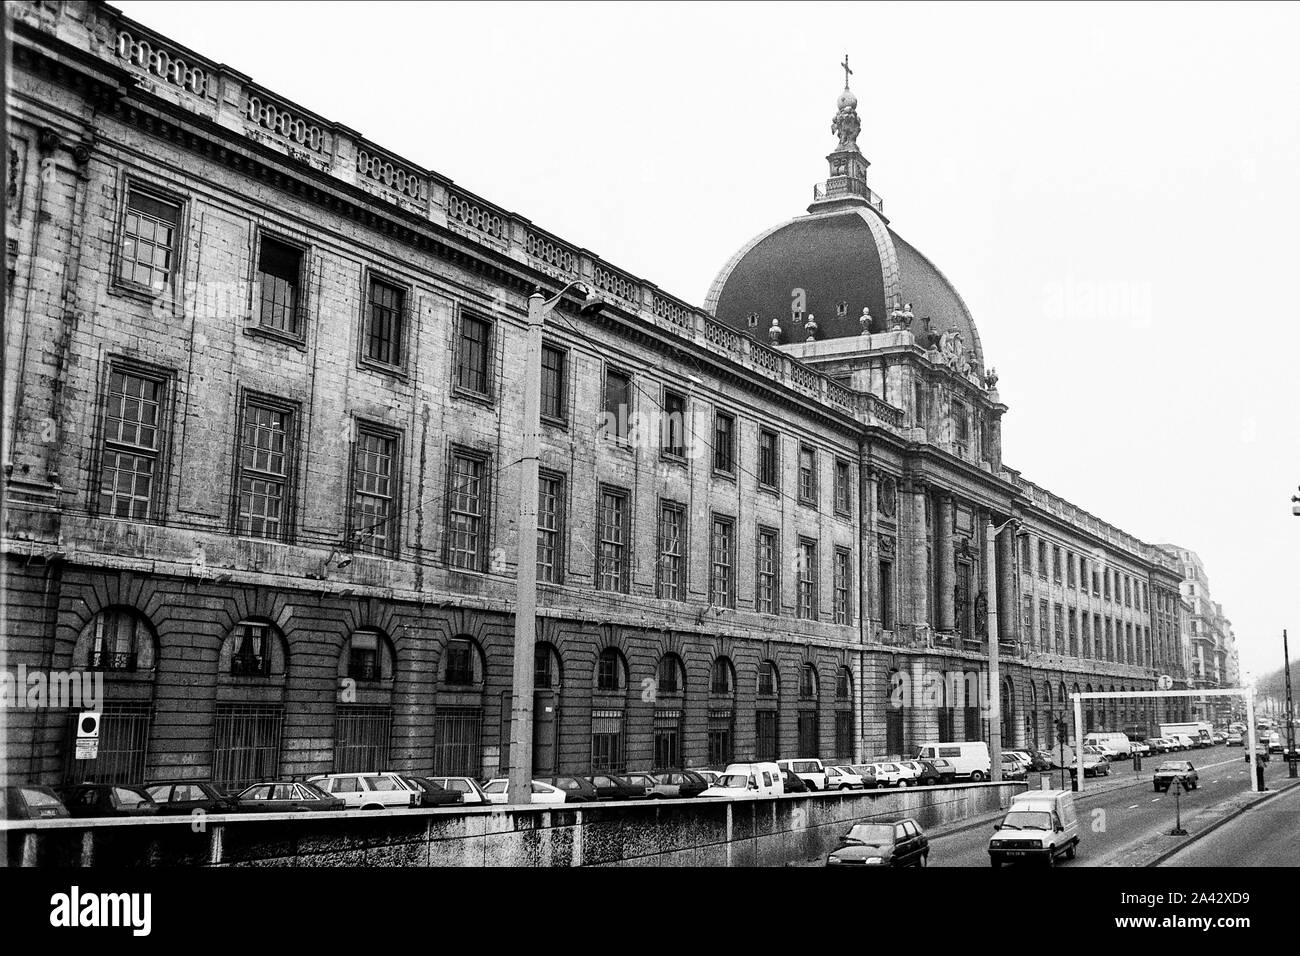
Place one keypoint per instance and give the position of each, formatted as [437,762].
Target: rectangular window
[385,318]
[460,663]
[843,614]
[807,476]
[130,457]
[1059,629]
[1096,584]
[1105,581]
[467,512]
[767,564]
[1074,632]
[721,732]
[843,494]
[607,751]
[769,458]
[1044,622]
[149,232]
[844,734]
[1056,564]
[1128,591]
[667,730]
[554,383]
[612,540]
[1085,637]
[457,741]
[809,732]
[550,528]
[1026,554]
[362,737]
[673,427]
[886,586]
[724,442]
[722,560]
[960,429]
[765,731]
[1042,559]
[1069,570]
[246,744]
[265,461]
[474,356]
[672,536]
[374,492]
[278,278]
[1027,618]
[807,603]
[617,403]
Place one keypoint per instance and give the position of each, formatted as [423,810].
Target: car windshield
[871,834]
[495,786]
[39,798]
[1172,766]
[735,781]
[1027,820]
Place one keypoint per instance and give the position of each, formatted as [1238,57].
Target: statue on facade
[774,332]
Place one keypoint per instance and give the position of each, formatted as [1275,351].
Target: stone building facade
[1212,646]
[261,448]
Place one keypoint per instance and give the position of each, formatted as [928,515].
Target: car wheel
[1051,856]
[977,776]
[1069,853]
[925,859]
[372,806]
[1156,787]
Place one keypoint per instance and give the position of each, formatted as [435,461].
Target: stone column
[1008,613]
[944,576]
[918,573]
[870,554]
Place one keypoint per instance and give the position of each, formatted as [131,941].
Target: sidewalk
[1157,849]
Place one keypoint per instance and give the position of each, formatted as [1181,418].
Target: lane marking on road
[1134,807]
[1156,800]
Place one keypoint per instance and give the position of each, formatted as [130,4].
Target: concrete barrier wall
[750,832]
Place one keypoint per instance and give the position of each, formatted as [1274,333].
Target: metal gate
[246,744]
[667,740]
[457,742]
[123,746]
[362,735]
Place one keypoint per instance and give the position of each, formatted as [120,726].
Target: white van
[1115,745]
[748,780]
[969,757]
[1039,825]
[808,769]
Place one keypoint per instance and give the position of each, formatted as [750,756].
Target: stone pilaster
[944,579]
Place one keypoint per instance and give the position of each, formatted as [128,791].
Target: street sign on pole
[87,735]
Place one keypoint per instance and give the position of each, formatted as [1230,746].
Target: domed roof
[844,259]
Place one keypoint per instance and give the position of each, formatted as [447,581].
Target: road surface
[1266,835]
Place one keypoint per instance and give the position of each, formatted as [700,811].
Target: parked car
[809,769]
[576,789]
[843,778]
[186,796]
[1172,770]
[937,772]
[913,769]
[1019,757]
[884,843]
[433,794]
[471,792]
[1040,824]
[710,776]
[1218,736]
[889,775]
[1099,751]
[1042,760]
[1013,769]
[369,791]
[285,796]
[793,782]
[1236,740]
[106,800]
[669,784]
[612,786]
[30,802]
[969,757]
[1162,745]
[868,774]
[1141,748]
[496,790]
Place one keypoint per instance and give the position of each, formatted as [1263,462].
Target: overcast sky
[1112,189]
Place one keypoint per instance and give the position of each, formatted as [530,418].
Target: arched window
[845,738]
[895,712]
[611,674]
[368,656]
[255,648]
[546,667]
[722,677]
[462,663]
[1007,711]
[768,683]
[671,677]
[1033,713]
[844,685]
[807,682]
[117,639]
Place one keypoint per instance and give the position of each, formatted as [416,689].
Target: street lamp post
[520,781]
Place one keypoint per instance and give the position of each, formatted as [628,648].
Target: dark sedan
[937,771]
[286,797]
[576,789]
[1168,772]
[107,800]
[186,796]
[670,784]
[611,786]
[24,802]
[432,794]
[793,783]
[886,843]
